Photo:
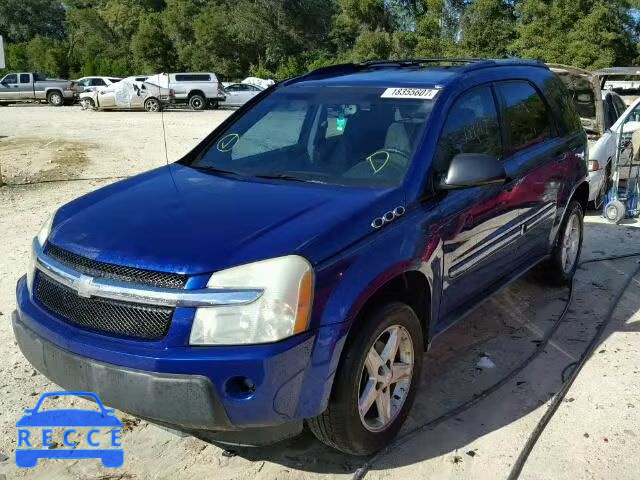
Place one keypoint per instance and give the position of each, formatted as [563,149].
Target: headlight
[283,309]
[42,236]
[45,230]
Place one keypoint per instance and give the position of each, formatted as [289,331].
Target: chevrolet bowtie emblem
[84,286]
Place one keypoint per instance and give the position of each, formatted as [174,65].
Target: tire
[197,102]
[341,426]
[87,104]
[152,105]
[614,211]
[55,98]
[561,267]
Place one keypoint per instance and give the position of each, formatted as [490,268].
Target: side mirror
[473,170]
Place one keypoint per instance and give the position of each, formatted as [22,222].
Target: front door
[477,230]
[9,87]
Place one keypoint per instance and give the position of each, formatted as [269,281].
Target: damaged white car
[598,110]
[128,95]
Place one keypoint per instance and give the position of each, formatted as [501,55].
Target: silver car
[128,95]
[237,94]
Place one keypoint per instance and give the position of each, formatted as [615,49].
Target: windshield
[335,135]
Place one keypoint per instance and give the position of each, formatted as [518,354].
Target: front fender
[346,282]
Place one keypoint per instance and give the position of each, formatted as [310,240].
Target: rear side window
[471,127]
[527,119]
[114,80]
[97,82]
[193,77]
[24,78]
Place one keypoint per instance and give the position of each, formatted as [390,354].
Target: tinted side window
[97,82]
[24,78]
[193,78]
[527,119]
[471,127]
[11,79]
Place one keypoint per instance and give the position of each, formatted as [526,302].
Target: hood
[178,219]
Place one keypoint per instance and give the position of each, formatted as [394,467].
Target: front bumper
[175,384]
[188,401]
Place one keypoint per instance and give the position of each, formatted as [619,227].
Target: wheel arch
[410,287]
[197,92]
[581,195]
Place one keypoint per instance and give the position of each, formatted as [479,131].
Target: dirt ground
[60,153]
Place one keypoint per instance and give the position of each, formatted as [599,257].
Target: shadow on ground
[507,328]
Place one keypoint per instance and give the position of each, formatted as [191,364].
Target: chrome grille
[109,316]
[122,273]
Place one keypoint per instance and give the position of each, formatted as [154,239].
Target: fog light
[239,387]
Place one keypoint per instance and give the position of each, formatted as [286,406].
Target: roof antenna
[164,133]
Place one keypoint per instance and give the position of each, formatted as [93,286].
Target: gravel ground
[594,434]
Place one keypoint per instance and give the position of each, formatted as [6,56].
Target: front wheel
[375,384]
[562,265]
[152,105]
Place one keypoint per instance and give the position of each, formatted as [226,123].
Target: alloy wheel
[386,378]
[570,243]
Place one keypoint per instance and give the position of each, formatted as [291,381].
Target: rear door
[535,162]
[25,86]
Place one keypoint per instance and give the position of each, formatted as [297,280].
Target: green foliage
[22,20]
[282,38]
[488,28]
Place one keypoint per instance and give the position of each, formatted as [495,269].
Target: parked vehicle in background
[35,86]
[299,261]
[128,95]
[598,110]
[137,78]
[237,94]
[198,90]
[625,81]
[89,84]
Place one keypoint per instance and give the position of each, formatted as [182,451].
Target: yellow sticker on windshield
[378,160]
[227,142]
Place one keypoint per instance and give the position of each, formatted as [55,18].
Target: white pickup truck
[34,86]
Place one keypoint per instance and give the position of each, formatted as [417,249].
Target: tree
[23,20]
[488,29]
[151,47]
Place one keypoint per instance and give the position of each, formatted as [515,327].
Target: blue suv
[298,262]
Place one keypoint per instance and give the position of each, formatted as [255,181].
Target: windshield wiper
[208,168]
[284,176]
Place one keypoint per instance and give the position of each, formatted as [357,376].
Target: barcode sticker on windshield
[420,93]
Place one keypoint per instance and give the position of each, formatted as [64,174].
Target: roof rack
[466,64]
[420,61]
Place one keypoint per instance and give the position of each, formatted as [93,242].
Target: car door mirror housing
[472,170]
